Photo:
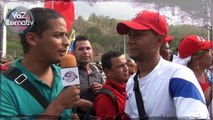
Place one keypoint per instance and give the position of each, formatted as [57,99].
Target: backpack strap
[139,99]
[109,93]
[16,75]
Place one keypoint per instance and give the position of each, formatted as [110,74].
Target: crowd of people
[149,83]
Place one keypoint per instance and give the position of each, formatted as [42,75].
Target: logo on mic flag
[70,76]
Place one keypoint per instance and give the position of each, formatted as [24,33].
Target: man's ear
[107,72]
[195,58]
[161,39]
[31,38]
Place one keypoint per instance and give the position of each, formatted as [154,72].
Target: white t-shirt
[169,90]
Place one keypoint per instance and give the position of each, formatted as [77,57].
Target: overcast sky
[123,11]
[118,10]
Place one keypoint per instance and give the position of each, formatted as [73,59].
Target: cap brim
[169,39]
[123,27]
[207,45]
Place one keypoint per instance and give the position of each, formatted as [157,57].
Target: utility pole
[210,7]
[4,30]
[124,45]
[209,13]
[209,25]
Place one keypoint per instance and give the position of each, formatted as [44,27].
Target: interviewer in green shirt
[43,44]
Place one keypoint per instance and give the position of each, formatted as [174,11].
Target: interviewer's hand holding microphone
[69,96]
[70,78]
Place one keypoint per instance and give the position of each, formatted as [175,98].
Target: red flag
[65,7]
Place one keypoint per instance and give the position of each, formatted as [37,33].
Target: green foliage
[180,31]
[12,36]
[14,49]
[100,30]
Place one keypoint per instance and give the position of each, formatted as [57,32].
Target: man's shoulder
[172,67]
[7,72]
[93,67]
[173,70]
[4,79]
[8,84]
[109,87]
[171,64]
[105,93]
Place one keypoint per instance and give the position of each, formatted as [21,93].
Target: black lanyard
[139,99]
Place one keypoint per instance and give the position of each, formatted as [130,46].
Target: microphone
[69,71]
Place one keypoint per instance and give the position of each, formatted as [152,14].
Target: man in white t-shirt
[167,89]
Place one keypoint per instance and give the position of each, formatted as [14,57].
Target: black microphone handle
[74,110]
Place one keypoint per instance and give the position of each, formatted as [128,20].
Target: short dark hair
[106,58]
[79,38]
[41,17]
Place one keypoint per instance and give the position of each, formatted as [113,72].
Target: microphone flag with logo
[69,71]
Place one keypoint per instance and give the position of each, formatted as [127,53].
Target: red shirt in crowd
[104,106]
[205,85]
[4,66]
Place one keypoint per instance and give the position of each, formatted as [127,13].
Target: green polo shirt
[16,101]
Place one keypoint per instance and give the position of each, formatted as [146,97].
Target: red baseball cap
[145,20]
[169,39]
[192,44]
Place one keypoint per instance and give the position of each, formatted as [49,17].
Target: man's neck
[37,67]
[196,68]
[85,66]
[145,67]
[119,82]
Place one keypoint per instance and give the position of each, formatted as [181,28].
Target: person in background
[162,84]
[165,50]
[132,66]
[91,81]
[195,53]
[209,73]
[117,73]
[6,62]
[43,45]
[98,65]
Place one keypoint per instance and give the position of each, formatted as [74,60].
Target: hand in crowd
[75,116]
[85,105]
[96,87]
